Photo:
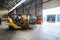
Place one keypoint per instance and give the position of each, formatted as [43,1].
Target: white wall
[51,11]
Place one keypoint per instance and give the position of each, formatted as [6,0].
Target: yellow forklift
[16,21]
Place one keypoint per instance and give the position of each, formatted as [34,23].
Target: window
[58,17]
[51,18]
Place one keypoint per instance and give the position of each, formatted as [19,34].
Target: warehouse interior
[29,19]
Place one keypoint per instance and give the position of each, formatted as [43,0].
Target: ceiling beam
[22,1]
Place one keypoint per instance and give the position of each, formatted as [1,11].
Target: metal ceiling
[8,4]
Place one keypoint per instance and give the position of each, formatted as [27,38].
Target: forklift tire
[11,28]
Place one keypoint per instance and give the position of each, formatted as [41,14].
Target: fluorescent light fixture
[22,1]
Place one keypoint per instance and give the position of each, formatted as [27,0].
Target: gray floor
[35,34]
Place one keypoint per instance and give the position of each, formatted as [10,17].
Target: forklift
[16,21]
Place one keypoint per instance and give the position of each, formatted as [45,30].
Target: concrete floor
[35,34]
